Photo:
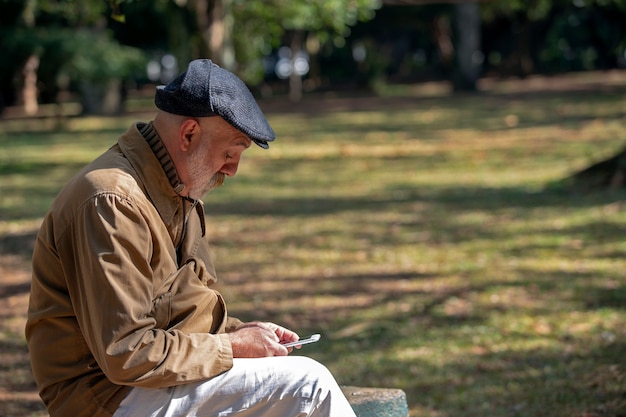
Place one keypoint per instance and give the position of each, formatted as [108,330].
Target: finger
[281,350]
[283,334]
[286,335]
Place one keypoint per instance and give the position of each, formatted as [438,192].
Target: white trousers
[285,386]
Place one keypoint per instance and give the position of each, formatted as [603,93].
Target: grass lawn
[426,237]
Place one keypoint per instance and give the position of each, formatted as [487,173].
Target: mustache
[218,179]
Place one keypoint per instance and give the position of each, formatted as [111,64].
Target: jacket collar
[157,184]
[159,150]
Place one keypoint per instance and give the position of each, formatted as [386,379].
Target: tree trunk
[102,99]
[179,33]
[468,40]
[201,11]
[229,61]
[442,34]
[215,24]
[216,32]
[526,64]
[29,88]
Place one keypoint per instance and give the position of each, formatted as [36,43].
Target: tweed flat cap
[206,89]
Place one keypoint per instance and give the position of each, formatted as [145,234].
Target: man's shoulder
[111,174]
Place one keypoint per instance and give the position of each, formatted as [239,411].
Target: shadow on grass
[601,298]
[29,188]
[14,289]
[18,396]
[462,114]
[440,221]
[15,369]
[540,383]
[20,244]
[576,376]
[23,407]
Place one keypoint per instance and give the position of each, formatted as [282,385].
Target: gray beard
[216,181]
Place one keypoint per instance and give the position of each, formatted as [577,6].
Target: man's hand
[259,340]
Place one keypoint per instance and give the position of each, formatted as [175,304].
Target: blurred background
[98,52]
[445,204]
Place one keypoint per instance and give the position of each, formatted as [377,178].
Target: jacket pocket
[189,305]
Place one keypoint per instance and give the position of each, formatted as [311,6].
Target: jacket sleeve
[133,335]
[232,324]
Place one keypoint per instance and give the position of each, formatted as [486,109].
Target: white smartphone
[312,339]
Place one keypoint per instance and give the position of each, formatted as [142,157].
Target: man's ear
[189,130]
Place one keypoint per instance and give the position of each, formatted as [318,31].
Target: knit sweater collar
[148,131]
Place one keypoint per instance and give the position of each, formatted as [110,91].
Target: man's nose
[230,168]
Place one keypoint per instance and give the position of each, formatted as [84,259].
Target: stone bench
[377,402]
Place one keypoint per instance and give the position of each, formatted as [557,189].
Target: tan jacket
[120,291]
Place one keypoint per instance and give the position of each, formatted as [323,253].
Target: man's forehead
[220,129]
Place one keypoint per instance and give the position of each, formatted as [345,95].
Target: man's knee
[307,368]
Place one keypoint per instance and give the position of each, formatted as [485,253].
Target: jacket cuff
[232,324]
[226,351]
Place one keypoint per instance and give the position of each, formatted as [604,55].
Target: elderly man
[122,319]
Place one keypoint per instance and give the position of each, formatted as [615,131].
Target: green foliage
[261,26]
[539,9]
[562,35]
[584,38]
[87,53]
[553,42]
[63,35]
[323,17]
[72,12]
[116,14]
[16,45]
[79,55]
[535,10]
[97,58]
[256,32]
